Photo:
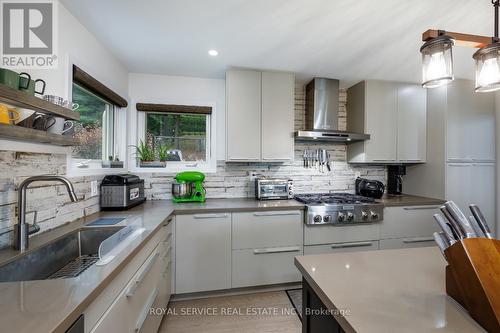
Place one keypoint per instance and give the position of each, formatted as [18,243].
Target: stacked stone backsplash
[236,180]
[232,180]
[50,200]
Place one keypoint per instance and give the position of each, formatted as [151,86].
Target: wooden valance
[172,108]
[90,83]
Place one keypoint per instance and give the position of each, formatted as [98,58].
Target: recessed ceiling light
[213,52]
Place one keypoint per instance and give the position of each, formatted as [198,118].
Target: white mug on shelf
[60,126]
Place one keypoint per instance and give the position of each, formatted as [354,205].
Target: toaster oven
[120,192]
[273,189]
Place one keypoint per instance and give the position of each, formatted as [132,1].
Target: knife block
[473,279]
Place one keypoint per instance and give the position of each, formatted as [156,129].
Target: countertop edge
[78,310]
[342,320]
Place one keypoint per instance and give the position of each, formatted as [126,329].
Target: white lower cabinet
[255,267]
[328,234]
[407,242]
[342,247]
[149,287]
[203,252]
[410,226]
[264,246]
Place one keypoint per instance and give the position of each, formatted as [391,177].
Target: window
[185,135]
[96,129]
[174,138]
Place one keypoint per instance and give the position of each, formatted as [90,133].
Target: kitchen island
[379,291]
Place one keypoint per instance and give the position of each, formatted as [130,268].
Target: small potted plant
[115,163]
[147,156]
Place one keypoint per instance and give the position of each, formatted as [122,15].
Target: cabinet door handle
[354,244]
[145,310]
[277,250]
[417,240]
[378,160]
[422,208]
[209,216]
[137,281]
[277,214]
[410,160]
[169,236]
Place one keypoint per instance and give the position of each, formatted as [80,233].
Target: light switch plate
[93,188]
[357,174]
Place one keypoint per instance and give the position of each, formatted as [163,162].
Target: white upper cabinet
[412,117]
[259,116]
[243,116]
[277,116]
[381,121]
[470,134]
[394,114]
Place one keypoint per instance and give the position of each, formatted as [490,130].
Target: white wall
[147,88]
[76,44]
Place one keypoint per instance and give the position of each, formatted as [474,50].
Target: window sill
[173,169]
[77,172]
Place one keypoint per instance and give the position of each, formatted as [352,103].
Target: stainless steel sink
[65,257]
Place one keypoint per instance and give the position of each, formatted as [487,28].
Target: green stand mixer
[188,187]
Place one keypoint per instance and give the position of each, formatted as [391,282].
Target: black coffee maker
[395,175]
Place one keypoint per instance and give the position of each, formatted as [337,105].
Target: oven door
[273,191]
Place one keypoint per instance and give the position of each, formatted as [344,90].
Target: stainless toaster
[120,192]
[273,188]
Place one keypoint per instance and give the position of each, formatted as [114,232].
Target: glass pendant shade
[488,68]
[437,62]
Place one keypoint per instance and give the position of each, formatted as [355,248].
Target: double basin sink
[65,257]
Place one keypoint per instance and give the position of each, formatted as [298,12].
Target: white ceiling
[345,39]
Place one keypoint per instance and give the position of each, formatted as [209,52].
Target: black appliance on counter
[395,175]
[120,192]
[369,188]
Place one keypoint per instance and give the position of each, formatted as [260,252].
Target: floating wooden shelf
[33,135]
[473,279]
[23,100]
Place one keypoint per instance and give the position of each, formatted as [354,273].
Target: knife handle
[455,226]
[446,227]
[481,221]
[457,214]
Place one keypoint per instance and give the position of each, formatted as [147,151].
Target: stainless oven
[273,188]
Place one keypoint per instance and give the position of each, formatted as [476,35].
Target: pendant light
[488,61]
[437,61]
[437,57]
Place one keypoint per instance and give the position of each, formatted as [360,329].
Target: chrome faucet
[22,229]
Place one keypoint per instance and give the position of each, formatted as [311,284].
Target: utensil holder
[473,279]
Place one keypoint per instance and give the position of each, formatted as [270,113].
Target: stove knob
[341,217]
[317,219]
[364,216]
[373,215]
[327,218]
[350,217]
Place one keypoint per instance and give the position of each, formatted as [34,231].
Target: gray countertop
[387,291]
[408,200]
[52,305]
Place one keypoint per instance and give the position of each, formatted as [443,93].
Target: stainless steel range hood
[322,114]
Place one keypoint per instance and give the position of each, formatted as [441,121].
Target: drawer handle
[169,236]
[167,253]
[145,310]
[355,244]
[422,208]
[417,240]
[277,214]
[136,283]
[209,216]
[277,250]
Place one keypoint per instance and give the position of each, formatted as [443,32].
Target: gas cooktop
[332,198]
[340,208]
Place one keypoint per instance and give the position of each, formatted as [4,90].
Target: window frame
[120,132]
[138,132]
